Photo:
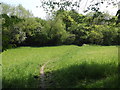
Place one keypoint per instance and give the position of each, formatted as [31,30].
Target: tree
[7,28]
[100,18]
[78,18]
[56,31]
[18,11]
[118,14]
[21,12]
[95,35]
[59,5]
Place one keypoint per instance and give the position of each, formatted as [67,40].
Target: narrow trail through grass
[42,75]
[42,69]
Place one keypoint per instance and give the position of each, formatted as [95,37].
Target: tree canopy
[67,26]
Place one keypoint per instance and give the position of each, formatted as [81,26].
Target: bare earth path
[42,76]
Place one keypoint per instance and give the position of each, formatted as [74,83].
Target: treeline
[21,28]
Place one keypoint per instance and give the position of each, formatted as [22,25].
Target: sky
[39,12]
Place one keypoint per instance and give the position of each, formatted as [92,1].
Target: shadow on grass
[27,82]
[77,76]
[85,76]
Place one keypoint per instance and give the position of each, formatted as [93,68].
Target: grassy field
[69,66]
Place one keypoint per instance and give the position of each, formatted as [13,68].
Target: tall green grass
[69,66]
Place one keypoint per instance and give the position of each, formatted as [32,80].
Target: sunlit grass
[69,66]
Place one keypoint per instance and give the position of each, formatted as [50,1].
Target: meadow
[69,66]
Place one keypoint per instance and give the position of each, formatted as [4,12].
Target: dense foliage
[65,27]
